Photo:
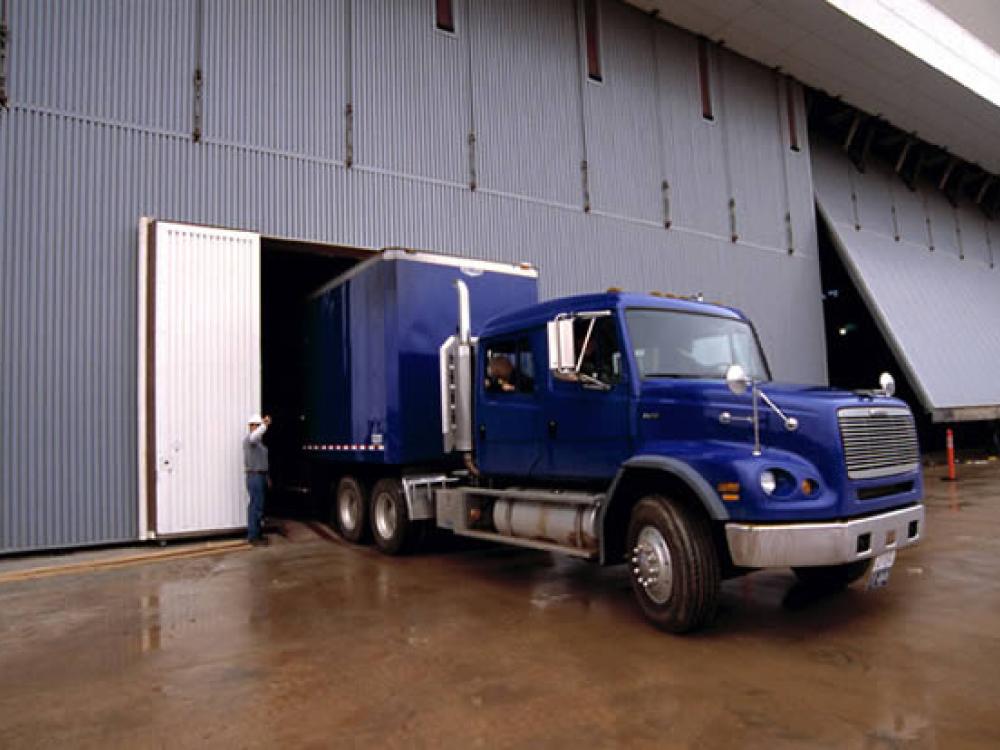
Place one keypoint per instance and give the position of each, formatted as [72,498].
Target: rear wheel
[675,568]
[390,522]
[832,577]
[350,510]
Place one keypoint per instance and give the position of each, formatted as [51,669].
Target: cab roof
[540,314]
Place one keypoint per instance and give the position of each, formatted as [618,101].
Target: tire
[672,547]
[391,527]
[832,577]
[350,510]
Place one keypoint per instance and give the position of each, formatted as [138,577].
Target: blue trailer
[641,429]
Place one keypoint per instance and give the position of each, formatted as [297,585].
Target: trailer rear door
[199,375]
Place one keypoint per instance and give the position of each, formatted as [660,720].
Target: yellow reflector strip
[730,497]
[728,487]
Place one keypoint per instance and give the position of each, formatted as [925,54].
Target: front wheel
[832,577]
[675,568]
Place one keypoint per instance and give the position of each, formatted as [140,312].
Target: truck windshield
[674,344]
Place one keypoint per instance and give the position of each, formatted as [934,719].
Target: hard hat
[254,419]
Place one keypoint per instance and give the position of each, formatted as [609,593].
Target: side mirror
[887,383]
[562,352]
[736,379]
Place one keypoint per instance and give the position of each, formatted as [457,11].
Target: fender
[702,490]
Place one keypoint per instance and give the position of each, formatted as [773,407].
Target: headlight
[768,482]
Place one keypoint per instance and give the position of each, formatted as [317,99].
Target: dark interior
[290,272]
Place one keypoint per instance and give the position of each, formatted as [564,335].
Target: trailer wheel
[350,510]
[390,523]
[832,577]
[674,565]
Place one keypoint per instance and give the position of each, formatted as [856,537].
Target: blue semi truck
[636,429]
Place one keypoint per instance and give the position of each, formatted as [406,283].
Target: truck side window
[602,357]
[510,367]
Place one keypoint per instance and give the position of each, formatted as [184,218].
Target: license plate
[879,575]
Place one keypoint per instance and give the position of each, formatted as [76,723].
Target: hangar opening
[221,321]
[290,272]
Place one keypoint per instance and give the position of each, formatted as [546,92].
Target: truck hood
[791,398]
[678,411]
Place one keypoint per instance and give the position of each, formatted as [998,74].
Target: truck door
[587,423]
[509,413]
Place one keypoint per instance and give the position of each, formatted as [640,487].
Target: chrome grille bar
[878,441]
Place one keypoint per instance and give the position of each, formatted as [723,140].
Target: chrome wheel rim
[385,515]
[652,566]
[349,508]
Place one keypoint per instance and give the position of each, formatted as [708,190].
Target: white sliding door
[199,374]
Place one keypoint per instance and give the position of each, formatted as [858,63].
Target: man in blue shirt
[255,465]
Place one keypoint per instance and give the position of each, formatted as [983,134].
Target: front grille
[878,441]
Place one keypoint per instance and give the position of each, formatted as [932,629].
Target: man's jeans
[256,483]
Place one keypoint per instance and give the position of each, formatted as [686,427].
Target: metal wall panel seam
[198,83]
[348,84]
[927,222]
[658,104]
[783,139]
[7,299]
[717,63]
[4,42]
[470,92]
[989,241]
[90,119]
[581,77]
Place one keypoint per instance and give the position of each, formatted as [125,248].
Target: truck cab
[665,409]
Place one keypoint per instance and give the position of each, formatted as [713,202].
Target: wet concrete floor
[319,644]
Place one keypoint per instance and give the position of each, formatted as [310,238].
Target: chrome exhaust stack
[455,361]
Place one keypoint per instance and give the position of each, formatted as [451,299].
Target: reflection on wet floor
[314,642]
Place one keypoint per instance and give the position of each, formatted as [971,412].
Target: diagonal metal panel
[937,310]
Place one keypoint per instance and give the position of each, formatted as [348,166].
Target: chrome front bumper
[823,543]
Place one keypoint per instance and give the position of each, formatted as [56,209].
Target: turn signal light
[730,491]
[809,486]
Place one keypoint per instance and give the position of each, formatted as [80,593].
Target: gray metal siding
[93,59]
[413,92]
[750,120]
[275,75]
[693,154]
[526,91]
[76,181]
[67,337]
[623,148]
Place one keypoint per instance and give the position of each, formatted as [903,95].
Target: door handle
[553,428]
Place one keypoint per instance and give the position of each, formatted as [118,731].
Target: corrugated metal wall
[99,131]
